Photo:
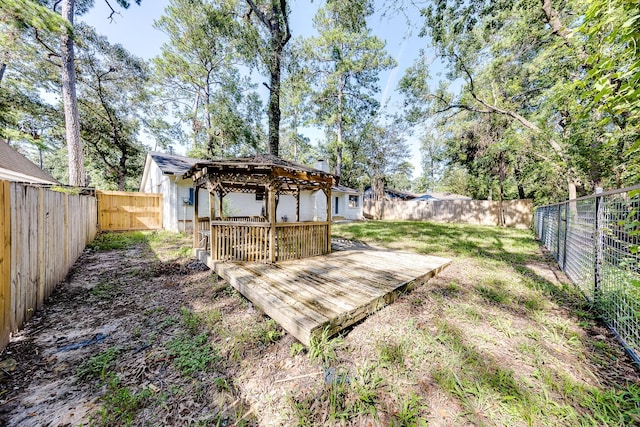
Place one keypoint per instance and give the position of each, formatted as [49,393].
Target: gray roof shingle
[173,164]
[13,161]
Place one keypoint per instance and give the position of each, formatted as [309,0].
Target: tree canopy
[538,99]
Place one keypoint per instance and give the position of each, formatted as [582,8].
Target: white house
[163,174]
[346,203]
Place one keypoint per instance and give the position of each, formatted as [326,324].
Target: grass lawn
[498,338]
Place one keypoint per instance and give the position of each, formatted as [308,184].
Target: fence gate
[122,211]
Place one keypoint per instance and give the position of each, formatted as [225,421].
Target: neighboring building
[163,174]
[15,167]
[390,194]
[434,197]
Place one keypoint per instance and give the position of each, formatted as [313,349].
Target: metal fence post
[558,225]
[566,231]
[598,241]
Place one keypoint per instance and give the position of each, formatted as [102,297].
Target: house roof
[393,193]
[343,189]
[15,167]
[173,164]
[449,196]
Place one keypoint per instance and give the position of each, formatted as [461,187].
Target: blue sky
[133,28]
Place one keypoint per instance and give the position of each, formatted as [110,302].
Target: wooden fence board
[5,263]
[120,211]
[42,233]
[516,213]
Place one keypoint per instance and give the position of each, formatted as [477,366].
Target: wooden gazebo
[261,237]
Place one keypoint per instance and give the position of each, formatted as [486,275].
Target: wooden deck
[336,290]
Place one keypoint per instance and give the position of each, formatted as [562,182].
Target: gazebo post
[327,192]
[298,205]
[196,200]
[271,205]
[220,210]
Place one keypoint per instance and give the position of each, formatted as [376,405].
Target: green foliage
[120,404]
[192,354]
[30,13]
[409,412]
[98,366]
[190,320]
[342,66]
[296,349]
[114,84]
[545,102]
[201,58]
[122,240]
[269,332]
[391,353]
[323,349]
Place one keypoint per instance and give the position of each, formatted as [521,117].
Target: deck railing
[250,241]
[241,219]
[295,240]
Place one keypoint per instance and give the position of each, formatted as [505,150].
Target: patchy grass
[497,338]
[120,404]
[113,241]
[98,366]
[496,332]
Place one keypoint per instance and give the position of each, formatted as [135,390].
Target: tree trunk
[274,96]
[338,170]
[276,20]
[70,102]
[122,172]
[377,185]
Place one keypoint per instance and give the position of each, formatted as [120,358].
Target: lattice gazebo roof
[252,174]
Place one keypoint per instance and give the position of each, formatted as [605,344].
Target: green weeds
[98,366]
[193,354]
[120,404]
[123,240]
[323,349]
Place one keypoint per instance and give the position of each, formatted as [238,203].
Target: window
[191,197]
[354,201]
[336,209]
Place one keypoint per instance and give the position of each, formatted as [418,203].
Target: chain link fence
[595,241]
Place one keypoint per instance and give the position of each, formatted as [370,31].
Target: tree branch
[113,11]
[52,52]
[261,16]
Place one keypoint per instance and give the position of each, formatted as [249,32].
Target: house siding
[174,188]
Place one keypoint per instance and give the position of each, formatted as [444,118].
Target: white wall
[320,206]
[353,213]
[173,189]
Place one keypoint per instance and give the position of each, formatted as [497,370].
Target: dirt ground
[136,302]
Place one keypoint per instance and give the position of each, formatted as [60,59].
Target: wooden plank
[31,303]
[334,291]
[41,251]
[278,308]
[5,263]
[121,211]
[313,298]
